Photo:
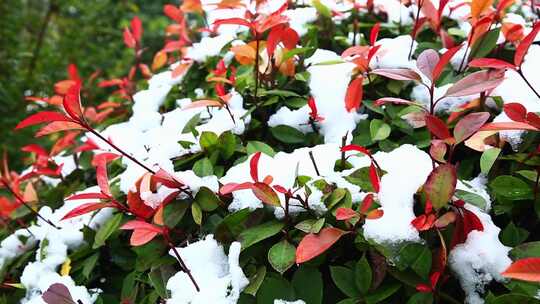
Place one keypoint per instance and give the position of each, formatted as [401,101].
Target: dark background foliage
[39,38]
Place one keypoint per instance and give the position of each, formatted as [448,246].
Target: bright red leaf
[437,127]
[515,111]
[355,92]
[527,269]
[313,245]
[525,44]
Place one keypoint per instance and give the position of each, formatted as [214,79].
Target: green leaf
[227,144]
[191,124]
[471,198]
[196,212]
[203,167]
[208,140]
[421,298]
[321,8]
[483,46]
[529,174]
[89,264]
[258,233]
[488,158]
[310,225]
[280,93]
[255,281]
[363,275]
[294,52]
[526,250]
[273,288]
[308,284]
[510,187]
[344,279]
[174,212]
[417,257]
[106,230]
[256,146]
[159,276]
[207,200]
[282,256]
[382,293]
[379,130]
[514,298]
[513,236]
[287,134]
[441,185]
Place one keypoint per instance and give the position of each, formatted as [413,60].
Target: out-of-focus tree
[38,39]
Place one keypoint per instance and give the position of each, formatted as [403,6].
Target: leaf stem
[520,72]
[180,261]
[314,163]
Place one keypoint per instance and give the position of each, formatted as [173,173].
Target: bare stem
[420,3]
[314,163]
[520,72]
[181,262]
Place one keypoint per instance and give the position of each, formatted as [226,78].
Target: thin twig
[21,200]
[314,163]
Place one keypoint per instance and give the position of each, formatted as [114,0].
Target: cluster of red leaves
[361,56]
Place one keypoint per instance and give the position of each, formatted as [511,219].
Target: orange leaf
[159,60]
[313,245]
[479,6]
[527,269]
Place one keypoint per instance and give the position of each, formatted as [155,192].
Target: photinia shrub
[289,152]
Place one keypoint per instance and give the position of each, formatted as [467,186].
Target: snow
[300,17]
[394,53]
[219,276]
[407,169]
[289,302]
[330,96]
[53,248]
[208,47]
[480,259]
[478,186]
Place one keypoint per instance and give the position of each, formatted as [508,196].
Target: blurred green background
[39,38]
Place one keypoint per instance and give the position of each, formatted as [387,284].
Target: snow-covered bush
[290,152]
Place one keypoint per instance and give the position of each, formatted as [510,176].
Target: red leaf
[394,100]
[421,287]
[527,269]
[81,196]
[356,148]
[374,33]
[58,126]
[374,177]
[476,83]
[102,178]
[254,166]
[273,40]
[533,119]
[366,203]
[290,38]
[168,179]
[525,44]
[491,63]
[237,21]
[437,127]
[86,208]
[266,194]
[42,117]
[231,187]
[427,61]
[343,214]
[143,232]
[438,150]
[34,148]
[72,102]
[469,125]
[129,40]
[500,126]
[465,222]
[423,222]
[443,61]
[136,28]
[172,12]
[441,185]
[355,93]
[203,103]
[313,245]
[72,72]
[515,111]
[398,74]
